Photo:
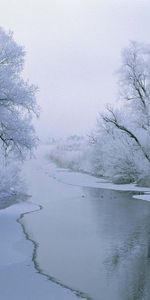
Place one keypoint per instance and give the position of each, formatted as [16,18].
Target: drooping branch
[112,118]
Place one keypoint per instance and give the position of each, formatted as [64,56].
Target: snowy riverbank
[83,229]
[84,180]
[18,276]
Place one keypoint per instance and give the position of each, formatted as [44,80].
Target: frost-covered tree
[128,123]
[17,99]
[119,148]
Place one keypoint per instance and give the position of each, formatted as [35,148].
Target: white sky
[73,49]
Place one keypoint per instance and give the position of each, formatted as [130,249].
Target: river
[95,241]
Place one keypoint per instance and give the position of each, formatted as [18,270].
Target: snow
[18,277]
[85,180]
[145,197]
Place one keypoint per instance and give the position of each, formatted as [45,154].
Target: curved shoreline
[91,180]
[39,177]
[80,179]
[35,244]
[34,258]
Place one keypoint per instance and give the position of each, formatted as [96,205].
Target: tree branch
[113,120]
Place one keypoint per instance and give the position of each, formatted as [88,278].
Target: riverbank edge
[81,179]
[35,244]
[19,220]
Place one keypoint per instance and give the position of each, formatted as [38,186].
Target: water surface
[93,240]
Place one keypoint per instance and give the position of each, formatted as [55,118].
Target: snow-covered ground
[85,180]
[18,278]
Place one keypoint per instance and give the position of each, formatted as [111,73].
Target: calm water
[93,240]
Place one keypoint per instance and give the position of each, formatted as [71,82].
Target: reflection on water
[128,260]
[94,240]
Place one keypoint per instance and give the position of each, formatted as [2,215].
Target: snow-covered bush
[11,185]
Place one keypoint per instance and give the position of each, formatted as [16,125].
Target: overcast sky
[73,49]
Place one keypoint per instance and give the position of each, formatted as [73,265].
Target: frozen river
[96,241]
